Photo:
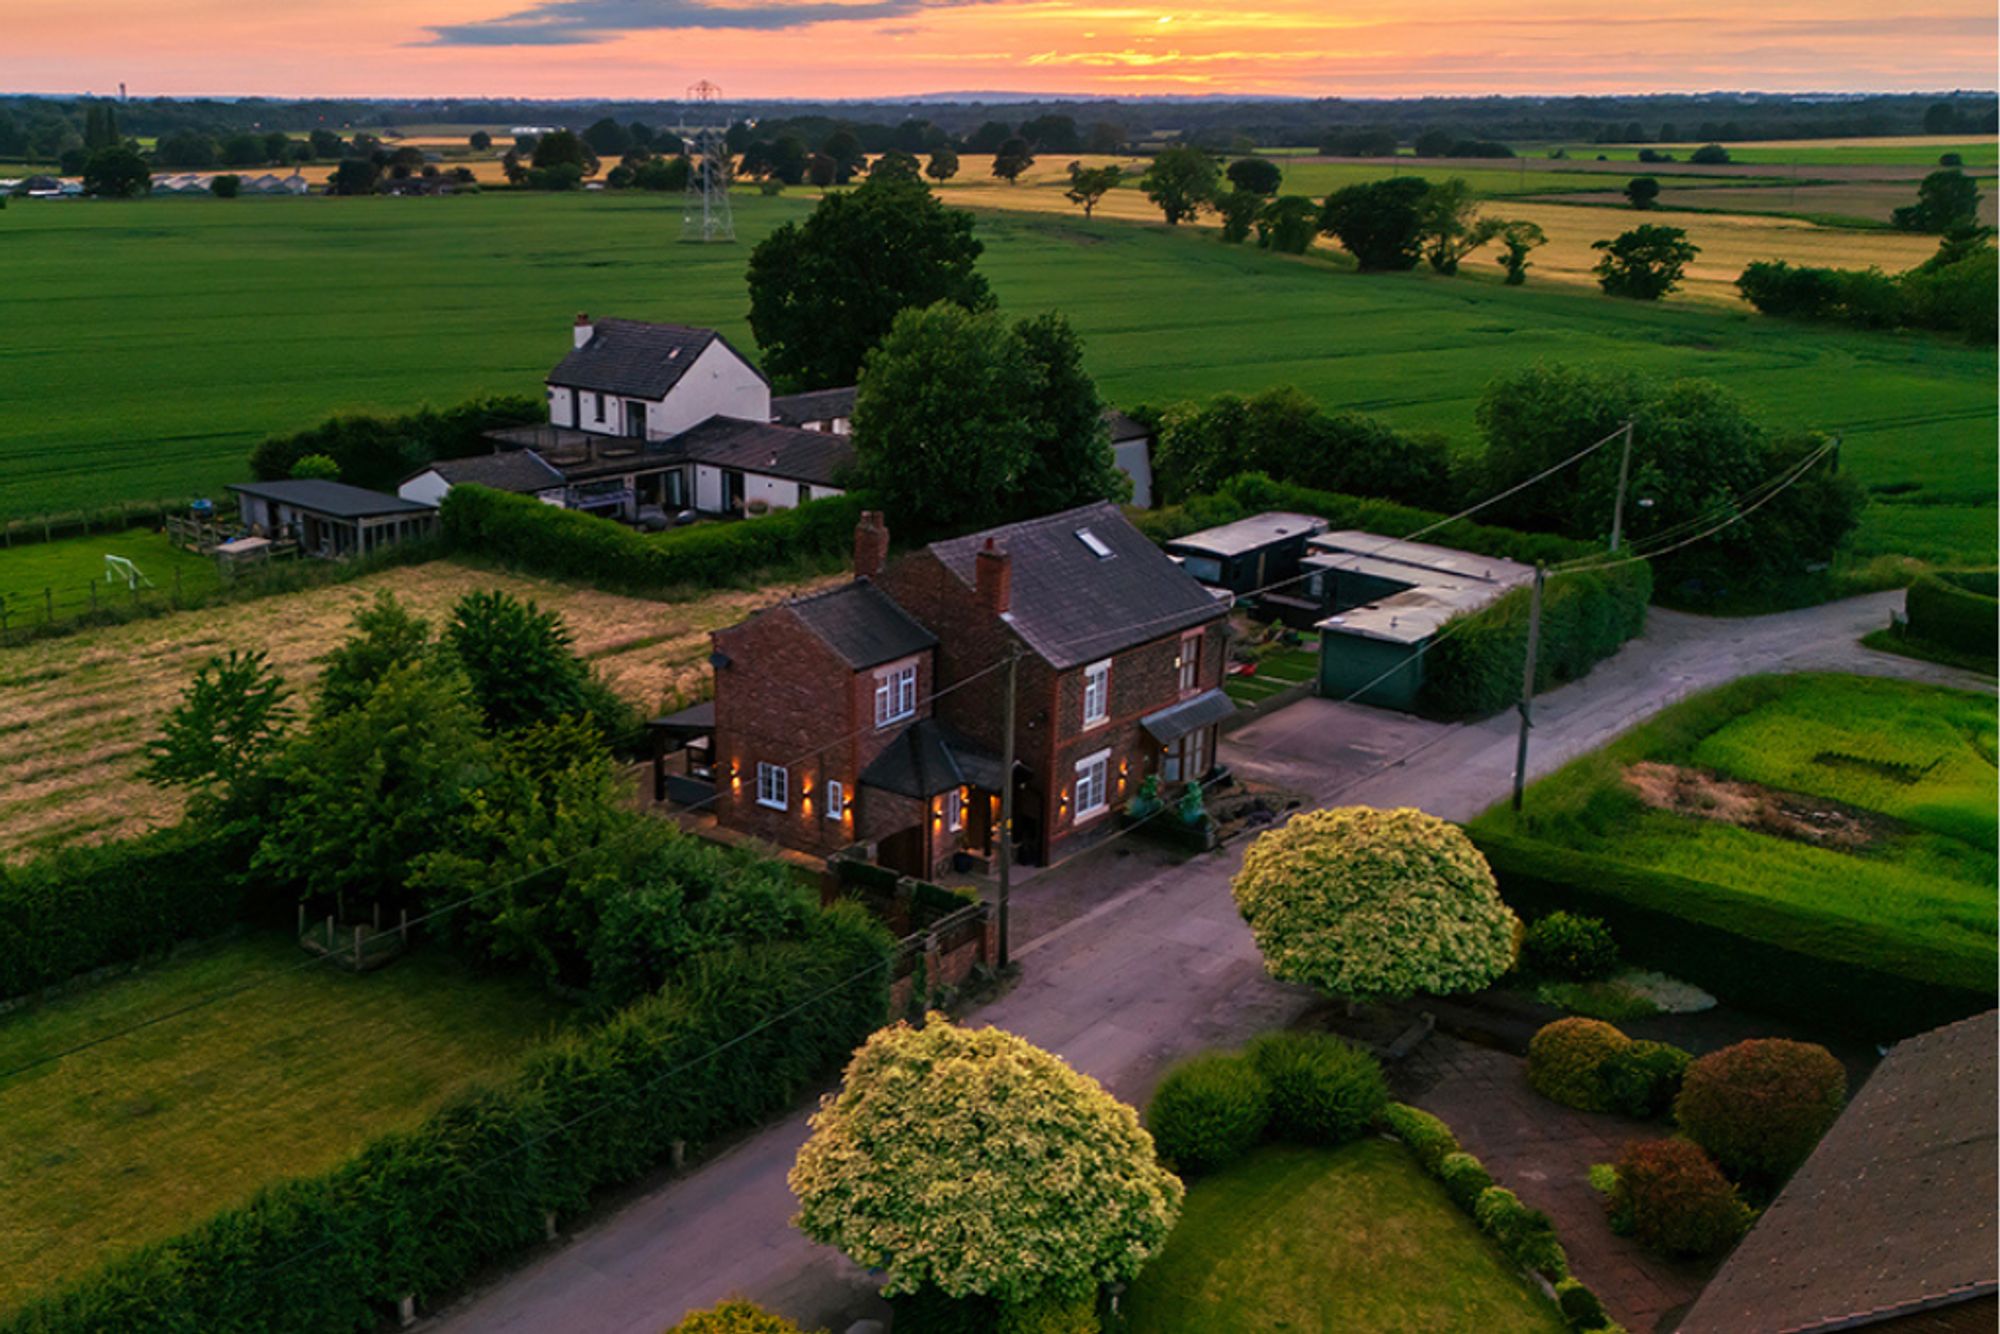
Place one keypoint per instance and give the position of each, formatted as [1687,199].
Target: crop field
[145,1135]
[61,577]
[1859,798]
[76,712]
[1851,201]
[1912,150]
[149,345]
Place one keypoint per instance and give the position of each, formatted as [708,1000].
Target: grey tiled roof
[929,758]
[817,405]
[862,624]
[635,358]
[1123,427]
[1072,606]
[511,470]
[337,499]
[1893,1212]
[815,457]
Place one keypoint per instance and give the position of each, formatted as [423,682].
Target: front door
[635,419]
[903,853]
[732,490]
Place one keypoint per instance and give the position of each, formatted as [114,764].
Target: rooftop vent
[1094,542]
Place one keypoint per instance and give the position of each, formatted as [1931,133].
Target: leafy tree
[1642,191]
[824,291]
[353,176]
[187,150]
[1014,157]
[381,637]
[277,146]
[562,148]
[100,126]
[225,186]
[1239,210]
[1181,180]
[1517,241]
[1256,175]
[1069,462]
[1366,904]
[562,176]
[1087,185]
[1645,263]
[1709,155]
[1380,223]
[243,150]
[321,466]
[480,141]
[116,173]
[1284,433]
[521,663]
[607,138]
[844,150]
[896,162]
[662,173]
[822,170]
[324,144]
[1435,143]
[1053,134]
[226,728]
[942,166]
[1069,1193]
[1946,200]
[1288,225]
[1451,227]
[988,137]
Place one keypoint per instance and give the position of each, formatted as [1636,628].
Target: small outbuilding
[1132,450]
[330,519]
[1249,554]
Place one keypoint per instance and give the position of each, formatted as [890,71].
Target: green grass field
[1355,1240]
[1522,176]
[150,344]
[1904,151]
[62,575]
[145,1135]
[1921,756]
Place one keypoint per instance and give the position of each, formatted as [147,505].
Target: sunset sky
[861,48]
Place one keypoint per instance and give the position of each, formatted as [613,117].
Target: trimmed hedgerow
[1642,1078]
[1570,946]
[1760,1106]
[737,1037]
[1566,1061]
[1951,612]
[1208,1111]
[1427,1137]
[1672,1198]
[110,903]
[1322,1090]
[1581,1308]
[1464,1178]
[523,533]
[1527,1236]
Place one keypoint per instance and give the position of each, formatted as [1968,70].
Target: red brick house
[872,713]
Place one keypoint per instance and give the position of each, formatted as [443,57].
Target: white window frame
[954,811]
[895,693]
[774,786]
[836,799]
[1093,773]
[1097,684]
[1190,663]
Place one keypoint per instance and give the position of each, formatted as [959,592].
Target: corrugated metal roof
[337,499]
[1257,531]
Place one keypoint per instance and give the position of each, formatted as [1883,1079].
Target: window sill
[1082,818]
[1092,724]
[772,805]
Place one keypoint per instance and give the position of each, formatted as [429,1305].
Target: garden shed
[330,519]
[1248,554]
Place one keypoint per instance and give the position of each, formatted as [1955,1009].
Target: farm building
[1387,599]
[330,519]
[1890,1224]
[1251,554]
[1132,448]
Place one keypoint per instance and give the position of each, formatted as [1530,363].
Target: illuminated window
[1092,788]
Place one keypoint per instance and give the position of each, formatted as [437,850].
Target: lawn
[1355,1240]
[1276,672]
[1917,761]
[151,1132]
[68,575]
[224,322]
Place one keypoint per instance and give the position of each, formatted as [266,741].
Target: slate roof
[513,470]
[862,624]
[1123,427]
[336,499]
[929,758]
[1893,1213]
[635,358]
[816,405]
[814,457]
[1072,606]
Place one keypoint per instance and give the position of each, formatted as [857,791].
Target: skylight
[1094,542]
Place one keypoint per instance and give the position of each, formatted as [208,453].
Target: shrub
[733,1317]
[1568,946]
[1642,1078]
[1566,1062]
[1674,1200]
[1427,1137]
[1581,1308]
[1322,1090]
[1760,1106]
[1209,1111]
[1060,1313]
[1952,616]
[1526,1235]
[934,1312]
[378,452]
[1464,1178]
[1473,668]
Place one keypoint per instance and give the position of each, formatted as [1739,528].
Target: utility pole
[1528,686]
[1007,796]
[1618,505]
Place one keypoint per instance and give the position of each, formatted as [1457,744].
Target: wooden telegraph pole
[1528,685]
[1624,475]
[1007,797]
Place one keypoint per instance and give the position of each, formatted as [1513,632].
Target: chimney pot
[871,544]
[995,578]
[583,328]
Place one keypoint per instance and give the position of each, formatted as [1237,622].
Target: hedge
[741,1035]
[111,903]
[1949,613]
[525,534]
[1765,956]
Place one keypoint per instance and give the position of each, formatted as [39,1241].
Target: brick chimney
[996,579]
[583,328]
[871,544]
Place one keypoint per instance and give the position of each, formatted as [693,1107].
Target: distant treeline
[43,126]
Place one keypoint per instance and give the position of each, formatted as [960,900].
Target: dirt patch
[1819,821]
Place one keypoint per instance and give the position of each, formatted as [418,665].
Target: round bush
[1760,1106]
[1568,946]
[1209,1111]
[1566,1060]
[1465,1179]
[1322,1090]
[1673,1199]
[733,1317]
[1054,1314]
[1581,1308]
[1642,1078]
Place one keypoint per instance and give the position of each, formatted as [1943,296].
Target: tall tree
[1642,191]
[226,728]
[1380,223]
[1182,180]
[1239,210]
[1014,157]
[116,173]
[1517,241]
[1053,134]
[1645,263]
[480,141]
[1450,225]
[823,292]
[942,166]
[1087,185]
[1257,175]
[1288,224]
[1946,200]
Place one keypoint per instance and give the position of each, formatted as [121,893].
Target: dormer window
[1094,542]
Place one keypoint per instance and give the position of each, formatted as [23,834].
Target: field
[225,323]
[1911,150]
[149,1133]
[1355,1240]
[76,712]
[38,577]
[1865,800]
[1858,202]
